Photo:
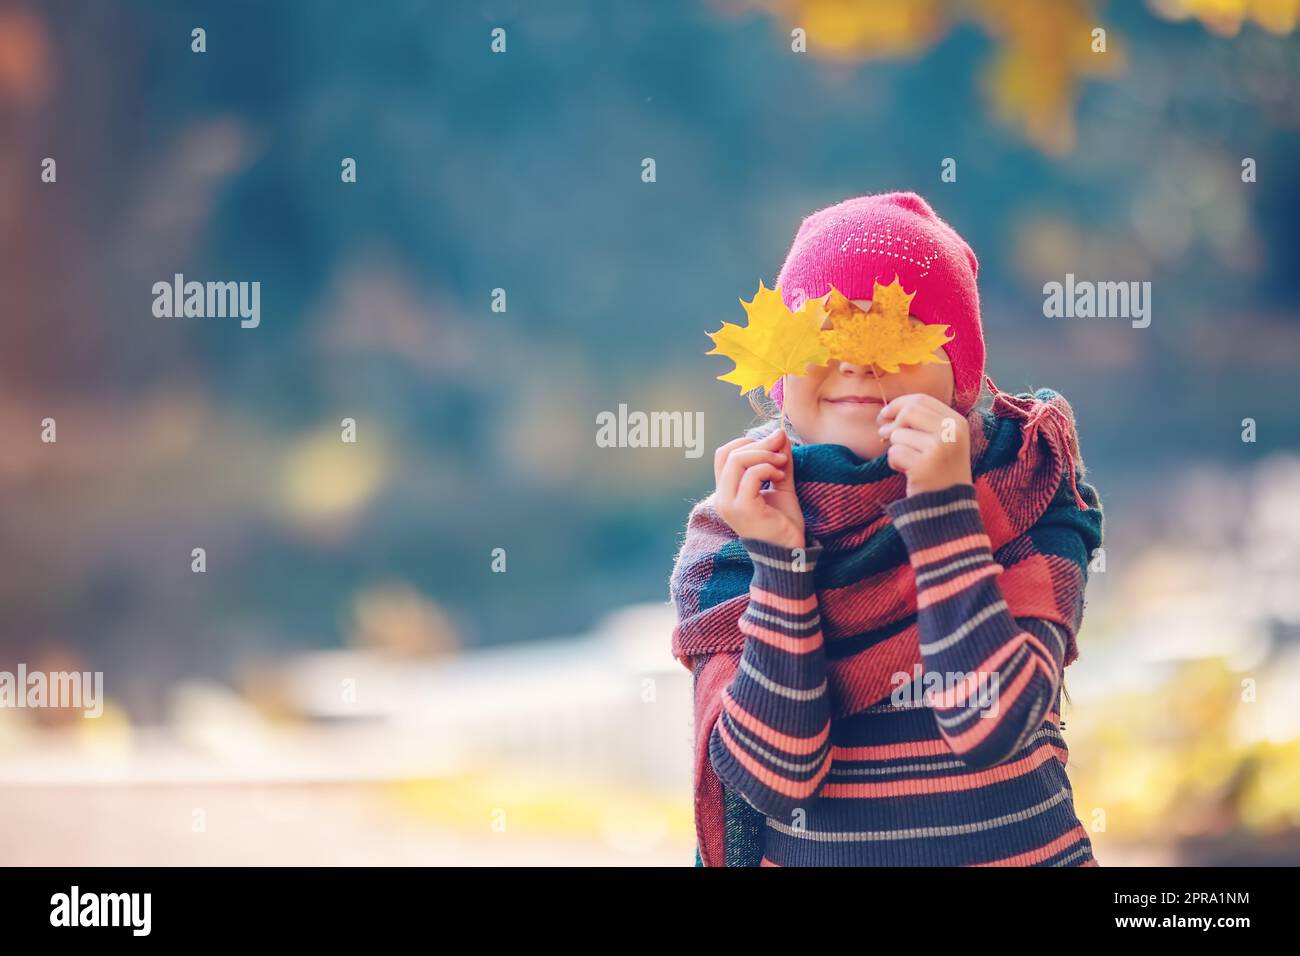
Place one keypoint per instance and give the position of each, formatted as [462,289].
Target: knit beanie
[860,241]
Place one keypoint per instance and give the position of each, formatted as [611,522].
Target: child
[878,600]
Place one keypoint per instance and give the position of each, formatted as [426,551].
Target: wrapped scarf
[1026,470]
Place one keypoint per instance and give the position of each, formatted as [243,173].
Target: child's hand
[740,467]
[928,442]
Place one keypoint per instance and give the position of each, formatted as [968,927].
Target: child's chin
[855,444]
[868,451]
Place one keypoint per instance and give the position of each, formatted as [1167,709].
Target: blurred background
[350,680]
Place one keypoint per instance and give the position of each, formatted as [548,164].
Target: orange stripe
[919,748]
[950,548]
[983,727]
[786,742]
[938,592]
[795,605]
[955,783]
[867,677]
[957,696]
[1043,852]
[766,862]
[783,642]
[966,692]
[948,697]
[1045,656]
[770,778]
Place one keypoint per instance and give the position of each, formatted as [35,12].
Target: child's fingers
[741,460]
[752,483]
[786,481]
[776,441]
[748,457]
[898,402]
[773,441]
[902,457]
[911,438]
[779,442]
[786,448]
[891,408]
[895,405]
[917,415]
[720,456]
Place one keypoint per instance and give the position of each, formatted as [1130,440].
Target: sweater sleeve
[997,674]
[771,741]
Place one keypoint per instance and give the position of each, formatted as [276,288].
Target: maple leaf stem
[876,376]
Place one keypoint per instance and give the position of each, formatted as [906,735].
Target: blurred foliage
[522,172]
[1226,17]
[1171,762]
[519,803]
[1044,50]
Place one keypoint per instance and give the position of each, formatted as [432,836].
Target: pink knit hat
[854,243]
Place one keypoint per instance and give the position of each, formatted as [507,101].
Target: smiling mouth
[855,400]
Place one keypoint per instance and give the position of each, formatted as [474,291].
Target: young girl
[878,601]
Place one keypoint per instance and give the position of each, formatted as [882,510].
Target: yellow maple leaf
[883,335]
[775,341]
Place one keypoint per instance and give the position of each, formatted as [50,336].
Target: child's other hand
[740,467]
[928,442]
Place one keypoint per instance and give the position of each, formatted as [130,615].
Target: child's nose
[848,368]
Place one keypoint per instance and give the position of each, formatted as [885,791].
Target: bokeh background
[350,681]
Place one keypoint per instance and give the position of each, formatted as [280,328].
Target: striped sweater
[963,765]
